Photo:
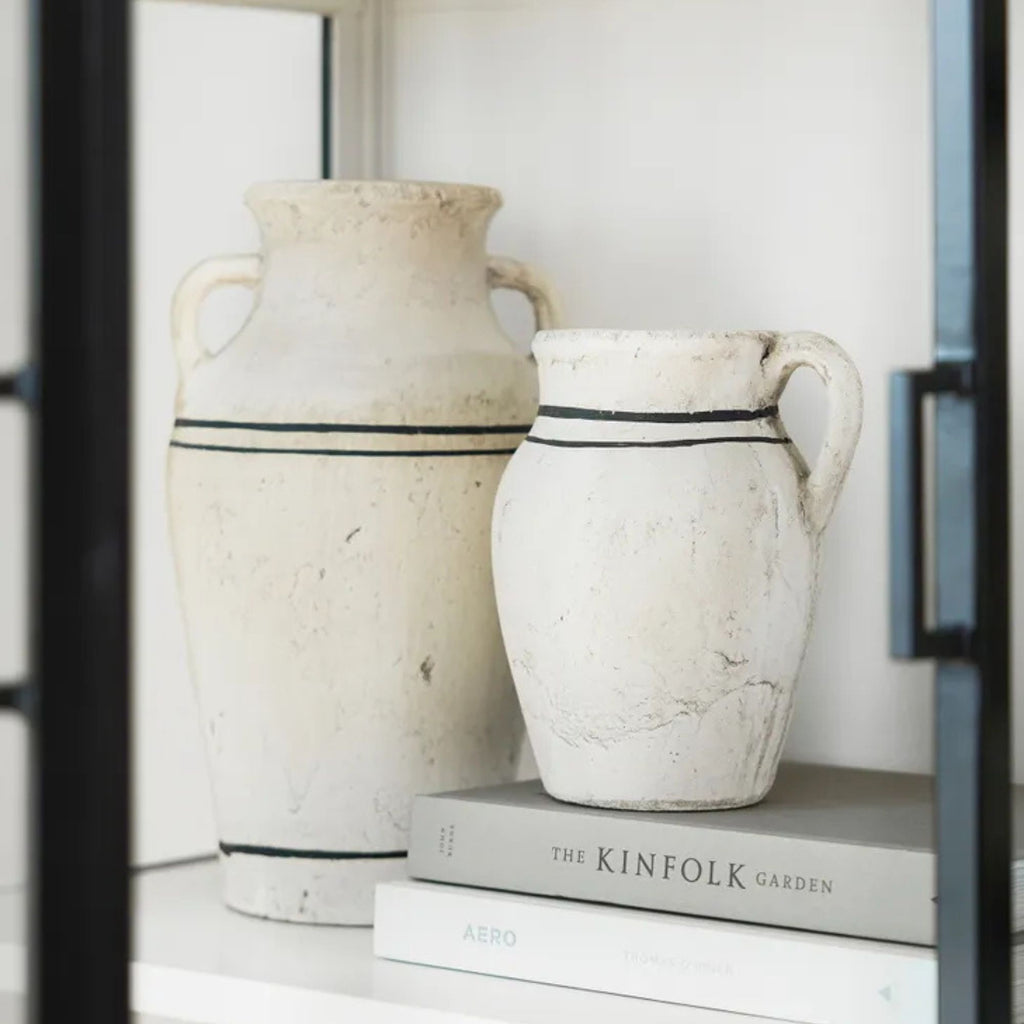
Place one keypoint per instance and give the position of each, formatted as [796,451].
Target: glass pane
[224,96]
[668,166]
[13,432]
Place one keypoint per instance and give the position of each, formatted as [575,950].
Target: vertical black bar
[992,537]
[79,926]
[972,532]
[906,558]
[326,97]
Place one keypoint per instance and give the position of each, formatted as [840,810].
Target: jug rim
[567,342]
[463,194]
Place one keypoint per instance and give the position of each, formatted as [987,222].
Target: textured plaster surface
[656,600]
[339,607]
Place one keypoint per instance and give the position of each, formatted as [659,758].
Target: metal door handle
[910,636]
[21,385]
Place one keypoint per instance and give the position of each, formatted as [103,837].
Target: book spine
[737,968]
[841,888]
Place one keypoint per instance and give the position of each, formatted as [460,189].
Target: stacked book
[817,905]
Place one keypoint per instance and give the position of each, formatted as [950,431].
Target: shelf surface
[326,7]
[199,962]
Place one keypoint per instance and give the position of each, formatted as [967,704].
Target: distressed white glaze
[331,480]
[655,547]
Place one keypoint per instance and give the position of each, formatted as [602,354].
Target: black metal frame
[971,634]
[327,104]
[78,699]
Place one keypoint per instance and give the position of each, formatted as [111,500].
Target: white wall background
[720,163]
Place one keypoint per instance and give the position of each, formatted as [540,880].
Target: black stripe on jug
[688,442]
[283,851]
[569,412]
[366,453]
[353,428]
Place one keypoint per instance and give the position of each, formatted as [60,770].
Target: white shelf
[198,962]
[330,7]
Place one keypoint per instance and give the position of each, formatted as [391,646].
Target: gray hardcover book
[838,850]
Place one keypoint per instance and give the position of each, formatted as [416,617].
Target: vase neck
[331,274]
[331,244]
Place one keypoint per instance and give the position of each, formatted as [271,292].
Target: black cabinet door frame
[966,627]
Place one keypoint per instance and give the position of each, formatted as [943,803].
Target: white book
[742,968]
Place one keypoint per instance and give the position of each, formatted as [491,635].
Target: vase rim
[462,194]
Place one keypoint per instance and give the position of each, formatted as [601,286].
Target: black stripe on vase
[368,453]
[568,412]
[688,442]
[352,428]
[283,851]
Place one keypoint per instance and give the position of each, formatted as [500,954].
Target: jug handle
[188,297]
[503,272]
[785,353]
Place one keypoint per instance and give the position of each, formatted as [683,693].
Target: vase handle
[188,297]
[503,272]
[786,353]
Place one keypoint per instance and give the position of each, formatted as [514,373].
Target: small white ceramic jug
[655,548]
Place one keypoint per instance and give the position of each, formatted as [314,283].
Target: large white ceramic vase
[656,546]
[331,478]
